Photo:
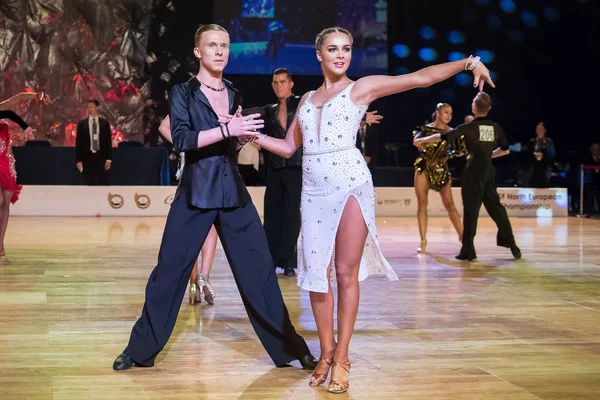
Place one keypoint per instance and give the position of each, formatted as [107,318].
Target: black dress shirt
[273,128]
[210,178]
[482,137]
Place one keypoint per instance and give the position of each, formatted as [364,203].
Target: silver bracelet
[467,63]
[474,63]
[261,140]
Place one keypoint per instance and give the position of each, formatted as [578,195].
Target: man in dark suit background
[93,146]
[366,139]
[283,178]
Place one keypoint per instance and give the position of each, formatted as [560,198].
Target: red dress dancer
[9,190]
[8,174]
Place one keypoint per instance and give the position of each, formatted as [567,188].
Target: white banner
[156,200]
[519,202]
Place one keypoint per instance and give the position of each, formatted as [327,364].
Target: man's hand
[107,165]
[80,166]
[239,125]
[373,118]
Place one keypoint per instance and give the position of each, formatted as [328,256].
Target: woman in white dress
[339,239]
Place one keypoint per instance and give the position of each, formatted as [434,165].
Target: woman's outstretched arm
[370,88]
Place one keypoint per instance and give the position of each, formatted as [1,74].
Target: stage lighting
[463,79]
[508,6]
[400,50]
[529,19]
[428,54]
[486,56]
[401,71]
[428,33]
[456,55]
[456,37]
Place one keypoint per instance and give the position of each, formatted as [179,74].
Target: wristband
[467,63]
[474,63]
[261,140]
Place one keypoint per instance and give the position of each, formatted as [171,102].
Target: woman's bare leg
[349,247]
[422,191]
[208,252]
[5,197]
[322,308]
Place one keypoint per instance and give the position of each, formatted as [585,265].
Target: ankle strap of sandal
[345,365]
[327,361]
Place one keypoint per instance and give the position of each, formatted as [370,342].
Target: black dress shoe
[123,363]
[516,252]
[308,361]
[289,271]
[465,257]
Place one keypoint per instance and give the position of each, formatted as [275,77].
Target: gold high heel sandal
[423,247]
[339,387]
[317,379]
[194,294]
[206,289]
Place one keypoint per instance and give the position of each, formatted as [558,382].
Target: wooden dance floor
[71,288]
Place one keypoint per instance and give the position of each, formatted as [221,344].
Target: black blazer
[273,128]
[82,141]
[210,177]
[371,146]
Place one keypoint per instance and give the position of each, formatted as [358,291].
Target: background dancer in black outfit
[484,140]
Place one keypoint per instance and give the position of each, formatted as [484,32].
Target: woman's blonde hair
[328,31]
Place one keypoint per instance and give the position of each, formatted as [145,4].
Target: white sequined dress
[333,169]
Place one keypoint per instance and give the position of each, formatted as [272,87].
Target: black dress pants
[282,214]
[478,185]
[94,172]
[245,245]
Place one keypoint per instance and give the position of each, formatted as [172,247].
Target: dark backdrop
[544,69]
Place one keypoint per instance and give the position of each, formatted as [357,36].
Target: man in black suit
[206,123]
[543,152]
[93,147]
[283,178]
[366,139]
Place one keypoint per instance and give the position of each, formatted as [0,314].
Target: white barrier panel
[78,201]
[156,200]
[519,202]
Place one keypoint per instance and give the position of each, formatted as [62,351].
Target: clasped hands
[244,127]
